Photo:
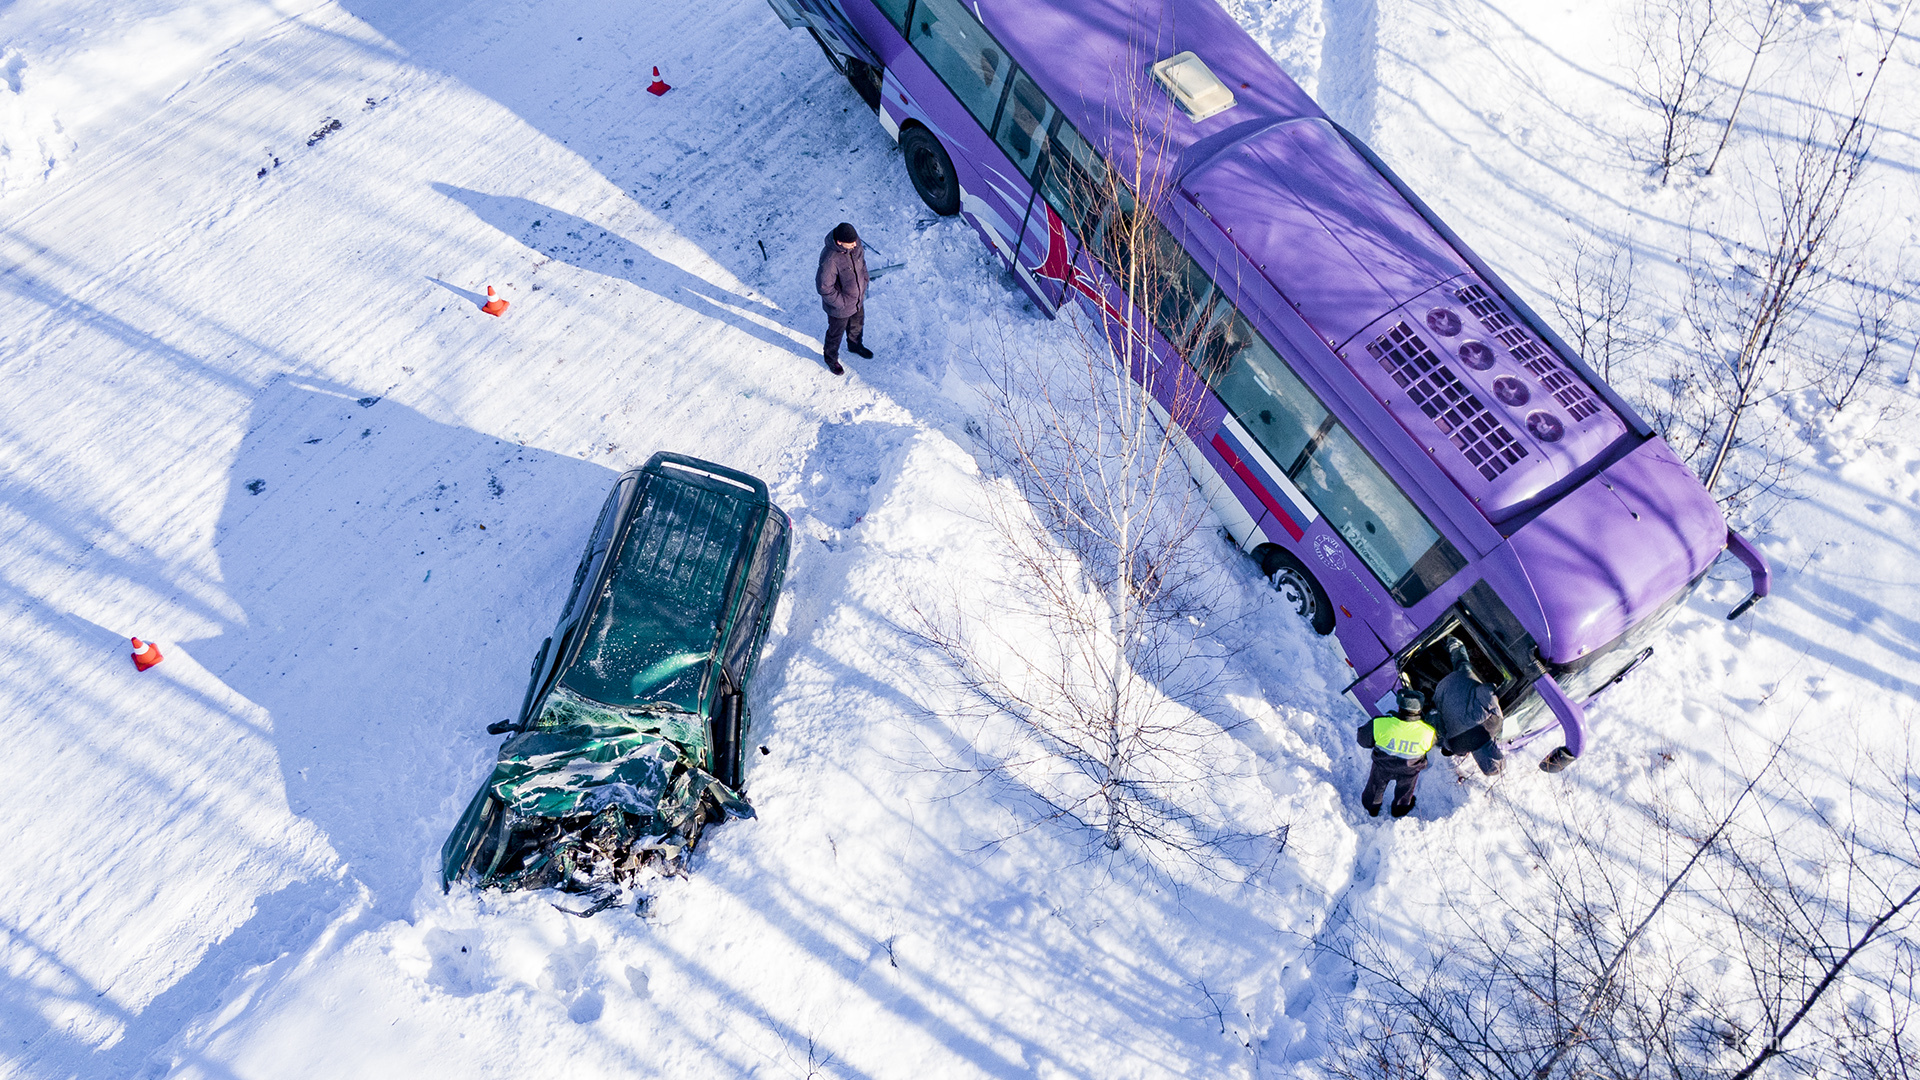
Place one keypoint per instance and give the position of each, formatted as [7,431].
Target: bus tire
[931,171]
[1297,587]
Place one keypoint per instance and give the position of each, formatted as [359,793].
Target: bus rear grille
[1570,392]
[1447,401]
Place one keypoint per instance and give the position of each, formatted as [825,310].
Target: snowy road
[251,411]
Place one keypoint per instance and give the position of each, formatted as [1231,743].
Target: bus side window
[1073,183]
[1378,522]
[1219,341]
[959,50]
[1267,398]
[1180,296]
[1024,123]
[895,11]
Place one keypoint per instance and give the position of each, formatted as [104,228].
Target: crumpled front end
[590,800]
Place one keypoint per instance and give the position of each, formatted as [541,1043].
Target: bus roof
[1511,420]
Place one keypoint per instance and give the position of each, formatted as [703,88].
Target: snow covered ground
[250,410]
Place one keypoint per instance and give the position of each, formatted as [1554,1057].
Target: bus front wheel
[1297,588]
[931,170]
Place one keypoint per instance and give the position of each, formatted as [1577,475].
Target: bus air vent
[1459,414]
[1545,427]
[1193,86]
[1570,392]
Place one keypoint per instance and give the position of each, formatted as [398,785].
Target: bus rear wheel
[931,171]
[1297,588]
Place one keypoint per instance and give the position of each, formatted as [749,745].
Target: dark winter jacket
[1469,712]
[842,278]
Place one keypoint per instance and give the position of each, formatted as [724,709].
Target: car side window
[1024,123]
[1072,184]
[603,530]
[1368,510]
[1181,295]
[959,50]
[610,515]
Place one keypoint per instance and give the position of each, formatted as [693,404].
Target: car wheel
[1298,589]
[931,171]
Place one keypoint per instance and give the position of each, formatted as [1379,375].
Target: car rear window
[656,625]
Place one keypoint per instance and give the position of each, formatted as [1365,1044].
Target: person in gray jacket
[1469,713]
[842,281]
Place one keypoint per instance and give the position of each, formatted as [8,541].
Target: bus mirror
[1756,564]
[1573,723]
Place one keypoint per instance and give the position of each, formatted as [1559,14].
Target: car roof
[650,634]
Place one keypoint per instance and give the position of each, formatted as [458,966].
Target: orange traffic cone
[145,654]
[658,86]
[494,305]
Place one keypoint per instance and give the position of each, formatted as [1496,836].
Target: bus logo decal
[1328,549]
[1057,267]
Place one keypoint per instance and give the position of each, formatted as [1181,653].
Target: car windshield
[654,630]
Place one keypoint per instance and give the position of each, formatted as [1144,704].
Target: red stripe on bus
[1246,476]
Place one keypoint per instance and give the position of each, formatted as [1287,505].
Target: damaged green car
[631,737]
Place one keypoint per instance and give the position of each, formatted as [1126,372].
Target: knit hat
[845,233]
[1411,702]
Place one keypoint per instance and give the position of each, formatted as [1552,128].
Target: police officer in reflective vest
[1400,744]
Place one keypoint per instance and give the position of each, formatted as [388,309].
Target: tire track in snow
[1349,80]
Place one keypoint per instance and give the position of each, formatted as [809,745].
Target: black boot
[834,366]
[859,350]
[1403,811]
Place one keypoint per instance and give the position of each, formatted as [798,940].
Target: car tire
[931,171]
[1297,588]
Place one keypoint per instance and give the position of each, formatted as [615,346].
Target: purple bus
[1412,455]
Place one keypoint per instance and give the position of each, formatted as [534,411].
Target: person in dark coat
[842,281]
[1469,713]
[1400,744]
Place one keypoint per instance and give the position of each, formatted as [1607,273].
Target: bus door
[1502,653]
[839,40]
[1026,132]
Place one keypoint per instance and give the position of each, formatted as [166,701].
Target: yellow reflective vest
[1401,737]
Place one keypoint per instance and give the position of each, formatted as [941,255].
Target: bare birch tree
[1751,319]
[1767,22]
[1086,681]
[1596,299]
[1880,314]
[1773,935]
[1677,40]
